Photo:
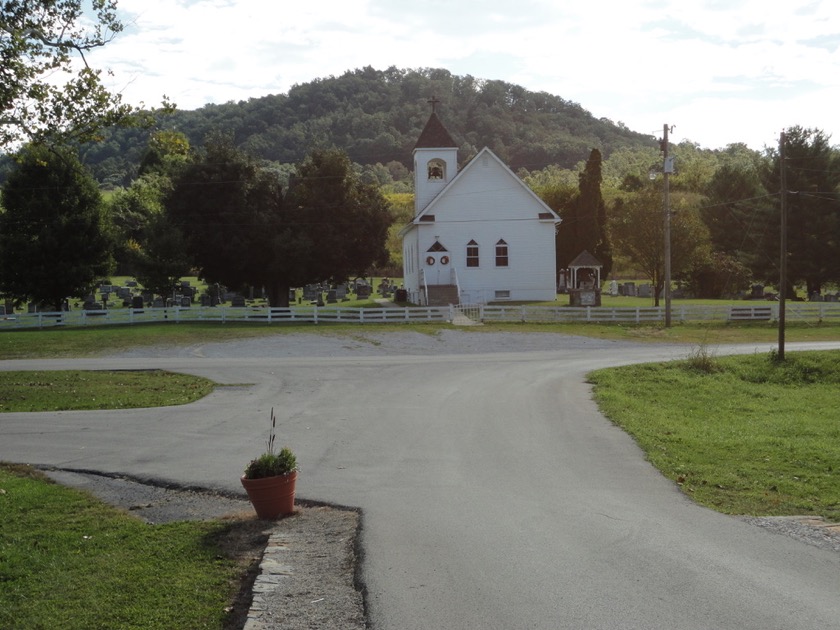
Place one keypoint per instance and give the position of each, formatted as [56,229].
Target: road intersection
[494,494]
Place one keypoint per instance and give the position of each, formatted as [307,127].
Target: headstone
[613,288]
[204,299]
[158,303]
[362,291]
[237,300]
[630,289]
[137,301]
[644,291]
[331,296]
[131,283]
[757,291]
[186,301]
[341,292]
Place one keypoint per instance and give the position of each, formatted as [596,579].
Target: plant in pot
[270,479]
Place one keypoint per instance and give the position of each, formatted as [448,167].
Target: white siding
[486,202]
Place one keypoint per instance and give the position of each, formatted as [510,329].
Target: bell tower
[435,160]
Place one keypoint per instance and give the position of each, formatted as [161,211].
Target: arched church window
[437,169]
[501,254]
[472,254]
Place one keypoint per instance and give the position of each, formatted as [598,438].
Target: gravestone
[237,300]
[186,301]
[158,303]
[362,291]
[630,289]
[644,291]
[137,301]
[204,299]
[341,292]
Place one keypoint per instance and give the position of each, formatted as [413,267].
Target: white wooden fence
[480,313]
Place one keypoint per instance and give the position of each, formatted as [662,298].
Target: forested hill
[377,115]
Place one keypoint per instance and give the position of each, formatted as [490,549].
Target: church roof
[434,135]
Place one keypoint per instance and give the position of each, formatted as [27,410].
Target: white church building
[479,235]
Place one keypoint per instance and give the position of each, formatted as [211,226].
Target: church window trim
[472,254]
[502,253]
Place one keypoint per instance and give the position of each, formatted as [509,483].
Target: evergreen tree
[584,220]
[54,234]
[813,234]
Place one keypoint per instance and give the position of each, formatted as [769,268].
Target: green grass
[69,561]
[742,435]
[75,390]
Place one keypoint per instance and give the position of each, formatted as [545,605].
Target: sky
[718,71]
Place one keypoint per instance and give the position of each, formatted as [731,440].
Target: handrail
[424,287]
[453,278]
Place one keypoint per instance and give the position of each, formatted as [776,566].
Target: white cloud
[722,70]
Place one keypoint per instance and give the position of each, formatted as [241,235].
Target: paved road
[494,493]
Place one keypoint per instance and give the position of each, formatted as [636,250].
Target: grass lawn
[69,561]
[75,390]
[742,435]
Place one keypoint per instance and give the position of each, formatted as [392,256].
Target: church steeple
[434,134]
[435,160]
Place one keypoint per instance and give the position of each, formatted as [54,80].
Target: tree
[638,231]
[39,40]
[734,213]
[242,230]
[347,221]
[585,218]
[54,234]
[162,259]
[225,211]
[813,209]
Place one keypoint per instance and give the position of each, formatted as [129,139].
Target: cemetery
[121,300]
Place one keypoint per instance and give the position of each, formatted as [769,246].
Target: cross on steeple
[433,102]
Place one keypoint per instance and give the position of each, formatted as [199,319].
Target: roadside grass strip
[746,435]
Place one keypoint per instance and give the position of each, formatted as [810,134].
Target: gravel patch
[297,572]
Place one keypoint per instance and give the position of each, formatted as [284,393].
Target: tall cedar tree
[813,210]
[584,220]
[54,234]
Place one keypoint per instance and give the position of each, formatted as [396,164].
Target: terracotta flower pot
[271,496]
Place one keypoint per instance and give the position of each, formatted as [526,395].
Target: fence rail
[476,313]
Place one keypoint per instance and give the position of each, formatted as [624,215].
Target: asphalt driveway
[494,493]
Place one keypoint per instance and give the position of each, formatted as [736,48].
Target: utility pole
[667,169]
[783,247]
